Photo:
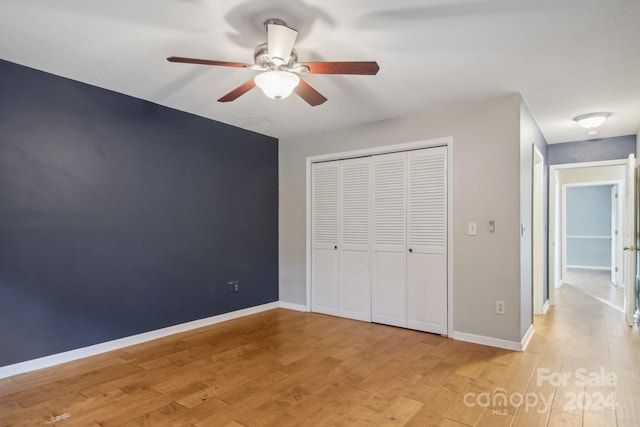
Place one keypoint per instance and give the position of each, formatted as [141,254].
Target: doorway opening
[590,241]
[586,215]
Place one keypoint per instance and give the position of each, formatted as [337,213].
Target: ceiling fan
[277,61]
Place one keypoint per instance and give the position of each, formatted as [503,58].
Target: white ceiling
[566,57]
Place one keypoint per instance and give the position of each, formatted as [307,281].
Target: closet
[379,238]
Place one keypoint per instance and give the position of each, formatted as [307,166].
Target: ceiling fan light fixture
[277,84]
[277,60]
[591,120]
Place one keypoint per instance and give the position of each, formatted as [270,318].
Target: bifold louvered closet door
[389,249]
[324,256]
[341,261]
[427,240]
[355,259]
[379,239]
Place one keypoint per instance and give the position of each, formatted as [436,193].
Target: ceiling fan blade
[280,41]
[207,62]
[309,94]
[239,91]
[369,68]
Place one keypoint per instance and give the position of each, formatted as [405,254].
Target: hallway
[597,284]
[584,336]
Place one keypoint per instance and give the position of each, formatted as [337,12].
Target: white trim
[395,148]
[545,307]
[495,342]
[524,343]
[589,164]
[589,267]
[563,230]
[538,243]
[308,235]
[292,306]
[80,353]
[553,255]
[588,237]
[385,149]
[450,217]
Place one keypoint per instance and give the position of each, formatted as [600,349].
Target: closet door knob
[410,250]
[335,247]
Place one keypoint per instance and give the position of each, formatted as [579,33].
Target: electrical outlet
[499,307]
[233,286]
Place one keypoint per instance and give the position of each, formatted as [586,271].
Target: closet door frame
[437,142]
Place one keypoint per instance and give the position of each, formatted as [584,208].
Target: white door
[537,233]
[353,246]
[389,267]
[630,240]
[427,240]
[614,234]
[324,239]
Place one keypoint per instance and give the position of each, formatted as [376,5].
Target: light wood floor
[286,368]
[596,283]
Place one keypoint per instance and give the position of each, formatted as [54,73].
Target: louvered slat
[355,202]
[325,203]
[427,213]
[389,199]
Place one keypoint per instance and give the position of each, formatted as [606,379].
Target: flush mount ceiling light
[591,120]
[277,84]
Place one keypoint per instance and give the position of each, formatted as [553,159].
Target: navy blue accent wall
[594,150]
[119,216]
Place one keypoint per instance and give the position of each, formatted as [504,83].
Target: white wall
[486,185]
[591,175]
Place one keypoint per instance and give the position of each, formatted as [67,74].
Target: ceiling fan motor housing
[262,58]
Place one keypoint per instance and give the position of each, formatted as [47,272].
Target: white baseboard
[545,307]
[495,342]
[528,335]
[68,356]
[292,306]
